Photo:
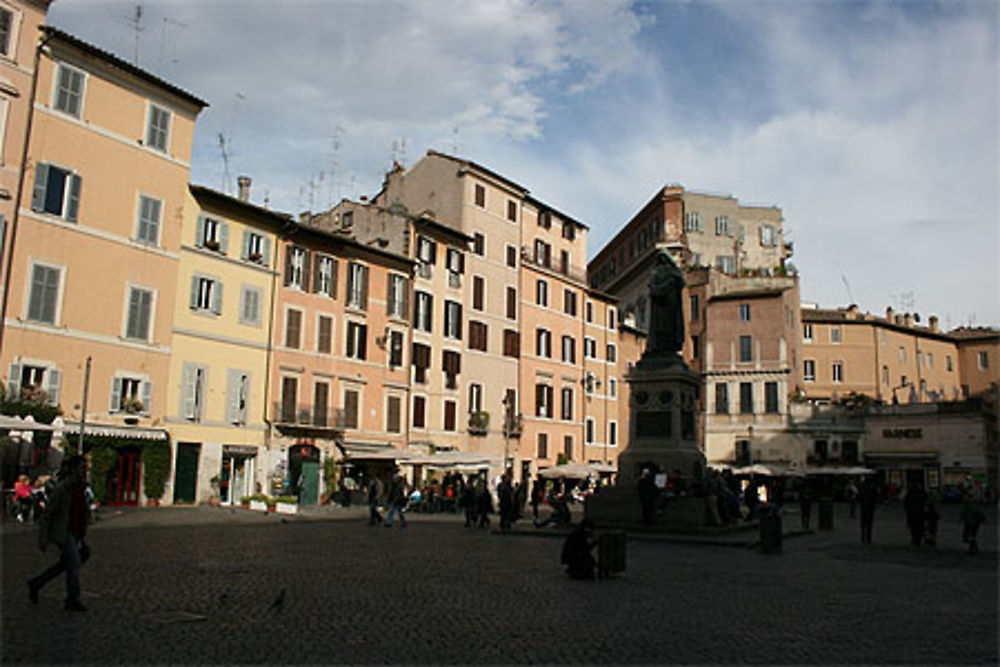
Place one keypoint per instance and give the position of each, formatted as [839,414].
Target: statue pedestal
[663,437]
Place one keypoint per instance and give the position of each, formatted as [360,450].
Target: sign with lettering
[904,433]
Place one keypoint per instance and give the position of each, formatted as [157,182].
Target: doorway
[125,478]
[186,472]
[303,473]
[236,476]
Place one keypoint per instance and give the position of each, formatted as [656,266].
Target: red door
[124,480]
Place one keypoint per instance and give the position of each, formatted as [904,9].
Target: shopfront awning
[768,470]
[10,423]
[838,470]
[371,451]
[453,459]
[112,431]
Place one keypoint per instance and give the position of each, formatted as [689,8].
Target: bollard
[826,514]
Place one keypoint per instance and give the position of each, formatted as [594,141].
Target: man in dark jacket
[64,524]
[915,503]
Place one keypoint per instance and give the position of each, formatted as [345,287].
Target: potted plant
[211,244]
[255,257]
[286,505]
[258,502]
[215,500]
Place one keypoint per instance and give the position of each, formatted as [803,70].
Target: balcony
[479,423]
[549,263]
[305,416]
[513,426]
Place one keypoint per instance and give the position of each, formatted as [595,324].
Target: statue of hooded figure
[666,317]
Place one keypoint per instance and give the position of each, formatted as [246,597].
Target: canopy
[839,470]
[603,468]
[768,470]
[571,470]
[10,423]
[452,459]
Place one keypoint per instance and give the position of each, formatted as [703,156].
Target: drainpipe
[20,188]
[270,346]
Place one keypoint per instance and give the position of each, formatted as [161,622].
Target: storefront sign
[246,450]
[905,433]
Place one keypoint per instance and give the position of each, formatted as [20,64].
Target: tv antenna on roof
[224,149]
[847,286]
[136,22]
[398,151]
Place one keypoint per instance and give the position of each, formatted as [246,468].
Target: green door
[186,475]
[310,483]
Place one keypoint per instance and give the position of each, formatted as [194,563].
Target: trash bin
[610,553]
[770,531]
[826,514]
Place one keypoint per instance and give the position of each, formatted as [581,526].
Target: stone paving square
[439,593]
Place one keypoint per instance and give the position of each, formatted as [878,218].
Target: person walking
[64,524]
[537,495]
[867,500]
[374,496]
[505,494]
[805,505]
[467,500]
[915,505]
[398,497]
[851,494]
[971,516]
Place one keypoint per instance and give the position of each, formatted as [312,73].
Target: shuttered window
[293,328]
[140,307]
[351,399]
[393,414]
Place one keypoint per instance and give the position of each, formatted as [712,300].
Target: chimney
[933,323]
[908,320]
[889,312]
[243,183]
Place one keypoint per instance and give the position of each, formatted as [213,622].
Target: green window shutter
[223,237]
[306,266]
[288,264]
[116,395]
[147,398]
[199,234]
[194,292]
[245,252]
[14,380]
[217,297]
[53,381]
[73,204]
[364,287]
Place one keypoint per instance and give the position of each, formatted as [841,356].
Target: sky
[873,125]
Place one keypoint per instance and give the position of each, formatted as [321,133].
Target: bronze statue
[666,316]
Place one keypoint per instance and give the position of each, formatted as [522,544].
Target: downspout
[270,345]
[20,188]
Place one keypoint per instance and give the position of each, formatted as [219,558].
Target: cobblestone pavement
[200,586]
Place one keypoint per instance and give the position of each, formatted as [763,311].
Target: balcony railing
[479,423]
[306,415]
[513,426]
[554,264]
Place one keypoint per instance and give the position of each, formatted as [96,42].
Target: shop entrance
[125,478]
[237,475]
[186,472]
[303,473]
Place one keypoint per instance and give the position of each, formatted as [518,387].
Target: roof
[292,228]
[758,293]
[844,316]
[978,333]
[209,193]
[434,225]
[113,60]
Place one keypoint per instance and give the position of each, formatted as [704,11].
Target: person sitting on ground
[576,556]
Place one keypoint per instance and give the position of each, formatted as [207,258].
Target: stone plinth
[619,507]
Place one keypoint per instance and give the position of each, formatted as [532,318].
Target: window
[568,447]
[453,320]
[511,303]
[746,348]
[744,312]
[395,349]
[148,230]
[325,278]
[423,311]
[421,362]
[69,91]
[695,347]
[721,398]
[543,254]
[478,292]
[834,334]
[693,304]
[479,244]
[768,236]
[293,328]
[324,334]
[725,263]
[589,348]
[357,340]
[543,400]
[589,383]
[450,421]
[838,371]
[542,293]
[193,391]
[569,349]
[590,429]
[43,299]
[983,360]
[289,399]
[612,388]
[397,299]
[930,360]
[393,414]
[321,403]
[140,313]
[568,230]
[902,354]
[746,398]
[451,362]
[24,379]
[569,303]
[807,333]
[257,248]
[475,398]
[885,375]
[566,409]
[426,251]
[693,222]
[206,294]
[612,434]
[612,353]
[455,261]
[237,396]
[6,31]
[212,234]
[512,210]
[545,219]
[250,306]
[512,256]
[158,128]
[543,343]
[588,312]
[947,363]
[564,262]
[511,343]
[419,412]
[351,408]
[543,445]
[809,370]
[477,336]
[357,285]
[480,196]
[56,191]
[722,227]
[771,397]
[130,394]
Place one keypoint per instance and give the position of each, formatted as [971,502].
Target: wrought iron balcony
[291,414]
[479,422]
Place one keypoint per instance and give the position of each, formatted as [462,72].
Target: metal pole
[83,406]
[506,432]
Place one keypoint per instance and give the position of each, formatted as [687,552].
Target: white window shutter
[223,237]
[188,392]
[73,203]
[266,251]
[14,380]
[194,292]
[199,238]
[232,397]
[245,252]
[147,398]
[217,297]
[53,380]
[116,395]
[41,185]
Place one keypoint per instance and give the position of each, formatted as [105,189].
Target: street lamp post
[506,432]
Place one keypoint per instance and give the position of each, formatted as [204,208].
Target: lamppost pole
[506,433]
